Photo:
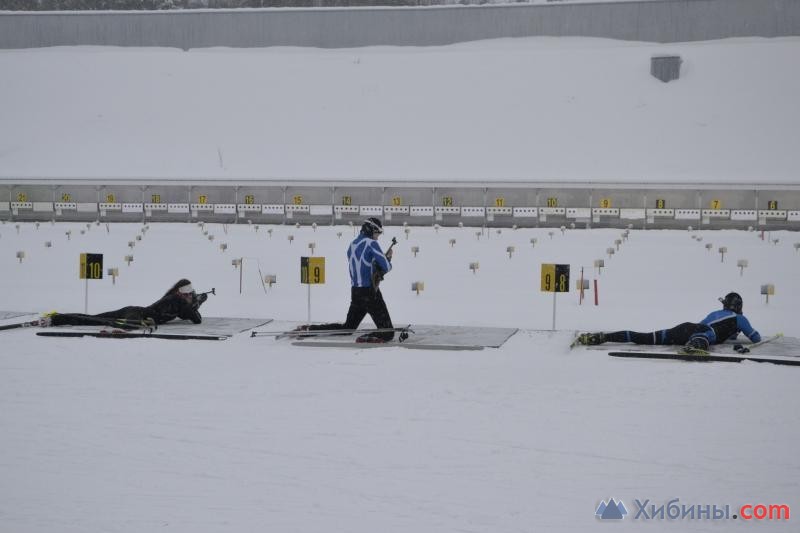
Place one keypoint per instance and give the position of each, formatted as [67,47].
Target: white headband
[186,289]
[375,227]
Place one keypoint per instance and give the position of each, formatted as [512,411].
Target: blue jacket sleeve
[744,325]
[379,258]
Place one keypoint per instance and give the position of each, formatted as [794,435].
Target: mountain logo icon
[611,511]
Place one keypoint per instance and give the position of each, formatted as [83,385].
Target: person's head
[732,302]
[183,288]
[372,227]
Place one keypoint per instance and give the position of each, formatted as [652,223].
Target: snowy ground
[508,109]
[258,435]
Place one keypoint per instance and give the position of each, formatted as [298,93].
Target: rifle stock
[377,273]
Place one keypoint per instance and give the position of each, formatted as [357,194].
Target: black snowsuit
[169,307]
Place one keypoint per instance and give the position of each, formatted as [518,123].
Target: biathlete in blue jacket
[365,256]
[716,328]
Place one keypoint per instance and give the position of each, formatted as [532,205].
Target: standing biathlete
[366,259]
[716,328]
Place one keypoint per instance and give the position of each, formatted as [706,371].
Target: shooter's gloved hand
[197,300]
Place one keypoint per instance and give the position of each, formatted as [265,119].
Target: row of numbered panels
[405,197]
[389,210]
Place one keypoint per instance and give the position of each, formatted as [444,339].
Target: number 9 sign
[312,270]
[555,278]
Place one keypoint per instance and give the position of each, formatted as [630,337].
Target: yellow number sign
[772,205]
[347,200]
[202,199]
[249,199]
[552,202]
[66,197]
[555,278]
[447,201]
[155,199]
[605,203]
[312,270]
[500,202]
[111,199]
[91,266]
[716,204]
[397,200]
[297,199]
[22,197]
[661,203]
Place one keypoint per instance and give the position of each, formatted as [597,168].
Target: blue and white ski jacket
[362,254]
[726,324]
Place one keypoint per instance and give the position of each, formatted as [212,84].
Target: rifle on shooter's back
[377,273]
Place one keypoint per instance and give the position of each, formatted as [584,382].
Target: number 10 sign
[91,267]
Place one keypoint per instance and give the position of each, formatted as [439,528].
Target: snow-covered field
[508,109]
[258,435]
[254,434]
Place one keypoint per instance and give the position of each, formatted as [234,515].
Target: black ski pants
[364,301]
[131,313]
[680,334]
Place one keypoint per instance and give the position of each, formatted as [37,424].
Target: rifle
[377,273]
[196,301]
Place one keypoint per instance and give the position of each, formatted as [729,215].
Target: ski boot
[371,338]
[591,339]
[304,327]
[696,346]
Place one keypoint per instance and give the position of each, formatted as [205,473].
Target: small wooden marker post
[742,264]
[768,290]
[599,264]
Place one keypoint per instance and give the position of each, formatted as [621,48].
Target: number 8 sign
[555,278]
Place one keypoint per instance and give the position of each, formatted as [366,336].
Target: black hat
[732,302]
[372,226]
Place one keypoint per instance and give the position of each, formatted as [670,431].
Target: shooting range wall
[653,21]
[531,204]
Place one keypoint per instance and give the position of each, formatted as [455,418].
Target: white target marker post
[90,267]
[768,290]
[312,272]
[555,279]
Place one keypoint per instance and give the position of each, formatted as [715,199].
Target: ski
[100,321]
[331,332]
[41,322]
[121,334]
[575,338]
[745,348]
[122,323]
[391,344]
[689,350]
[701,358]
